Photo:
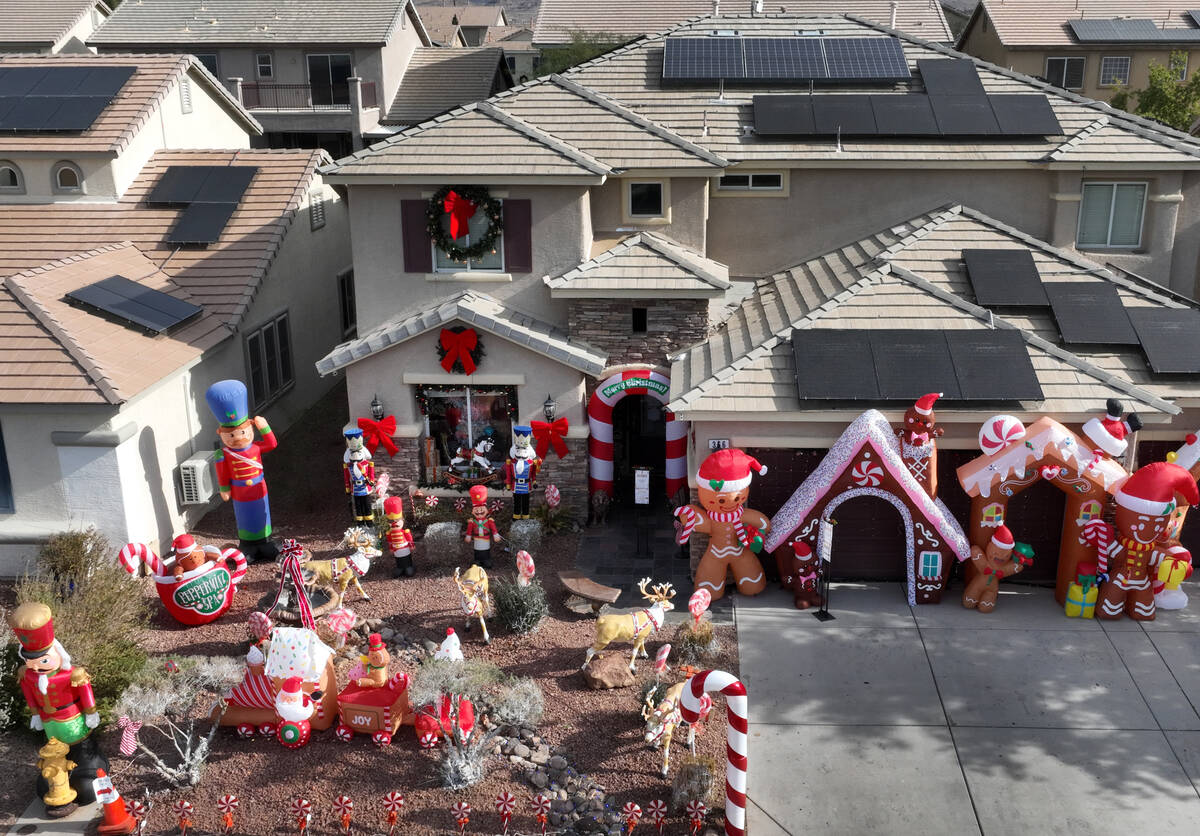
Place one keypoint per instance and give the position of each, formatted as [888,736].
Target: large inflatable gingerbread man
[735,532]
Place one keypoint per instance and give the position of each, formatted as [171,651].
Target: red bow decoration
[461,211]
[550,435]
[376,433]
[458,346]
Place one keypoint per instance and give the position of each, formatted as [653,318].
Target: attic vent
[316,210]
[724,33]
[185,95]
[810,33]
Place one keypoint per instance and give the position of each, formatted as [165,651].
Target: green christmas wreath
[483,201]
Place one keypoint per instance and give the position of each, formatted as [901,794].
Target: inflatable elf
[239,464]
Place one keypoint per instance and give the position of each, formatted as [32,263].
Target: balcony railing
[256,96]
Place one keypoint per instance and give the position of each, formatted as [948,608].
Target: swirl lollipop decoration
[553,496]
[460,505]
[183,810]
[462,816]
[525,568]
[696,811]
[343,809]
[393,806]
[431,501]
[301,811]
[505,803]
[632,814]
[656,811]
[227,805]
[541,809]
[698,605]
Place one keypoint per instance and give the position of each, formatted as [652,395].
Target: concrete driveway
[935,719]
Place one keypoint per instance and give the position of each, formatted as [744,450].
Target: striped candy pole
[227,804]
[343,808]
[541,809]
[505,802]
[737,724]
[239,565]
[660,660]
[301,811]
[696,811]
[657,813]
[135,554]
[393,804]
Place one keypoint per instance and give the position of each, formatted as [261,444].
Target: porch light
[376,408]
[549,408]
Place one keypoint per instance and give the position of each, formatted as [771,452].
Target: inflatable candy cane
[736,704]
[135,554]
[688,520]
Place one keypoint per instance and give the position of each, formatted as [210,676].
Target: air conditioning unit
[196,479]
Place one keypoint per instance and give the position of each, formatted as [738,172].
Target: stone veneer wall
[569,475]
[671,324]
[403,468]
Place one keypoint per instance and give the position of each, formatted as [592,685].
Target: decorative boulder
[525,535]
[608,670]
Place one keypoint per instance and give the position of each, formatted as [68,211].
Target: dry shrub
[696,779]
[520,608]
[694,643]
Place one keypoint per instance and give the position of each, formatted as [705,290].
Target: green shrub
[520,608]
[12,703]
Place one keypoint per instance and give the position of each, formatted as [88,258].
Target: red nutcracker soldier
[358,473]
[481,528]
[59,695]
[240,471]
[520,470]
[399,538]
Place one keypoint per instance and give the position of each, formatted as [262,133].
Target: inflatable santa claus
[294,708]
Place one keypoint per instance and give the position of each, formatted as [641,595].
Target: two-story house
[147,251]
[1094,48]
[315,73]
[661,247]
[49,25]
[522,57]
[473,20]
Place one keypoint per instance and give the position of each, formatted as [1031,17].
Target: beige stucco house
[49,25]
[665,239]
[102,418]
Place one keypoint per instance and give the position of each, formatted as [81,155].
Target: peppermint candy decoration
[137,809]
[632,813]
[343,806]
[505,803]
[343,733]
[696,810]
[427,740]
[660,658]
[300,808]
[553,497]
[260,625]
[540,804]
[431,501]
[341,620]
[227,803]
[867,474]
[245,731]
[998,432]
[525,564]
[699,602]
[381,738]
[657,811]
[460,504]
[495,506]
[393,802]
[182,808]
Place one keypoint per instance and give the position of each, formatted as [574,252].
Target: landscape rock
[608,670]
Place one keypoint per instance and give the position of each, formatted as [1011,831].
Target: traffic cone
[116,815]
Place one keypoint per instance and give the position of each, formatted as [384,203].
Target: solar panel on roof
[29,114]
[42,99]
[17,81]
[131,302]
[950,77]
[910,363]
[225,184]
[62,81]
[865,59]
[993,365]
[797,59]
[904,114]
[833,365]
[848,115]
[784,116]
[1195,16]
[104,81]
[1024,114]
[1004,277]
[1170,338]
[179,184]
[1128,30]
[964,115]
[769,59]
[201,223]
[1090,313]
[703,59]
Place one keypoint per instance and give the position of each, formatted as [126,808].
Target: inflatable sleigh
[197,595]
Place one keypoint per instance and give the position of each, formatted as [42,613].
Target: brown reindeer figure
[476,601]
[636,626]
[664,718]
[340,572]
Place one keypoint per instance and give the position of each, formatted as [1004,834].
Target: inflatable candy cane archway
[600,428]
[737,724]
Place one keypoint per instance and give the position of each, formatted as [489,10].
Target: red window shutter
[518,236]
[418,249]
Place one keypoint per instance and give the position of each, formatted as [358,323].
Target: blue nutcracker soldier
[520,470]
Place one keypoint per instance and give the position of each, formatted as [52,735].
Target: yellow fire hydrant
[56,769]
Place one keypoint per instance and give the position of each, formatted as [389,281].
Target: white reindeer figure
[636,626]
[663,719]
[477,455]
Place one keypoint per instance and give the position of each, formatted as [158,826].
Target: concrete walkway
[935,719]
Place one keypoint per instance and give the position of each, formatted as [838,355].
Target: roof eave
[338,176]
[634,293]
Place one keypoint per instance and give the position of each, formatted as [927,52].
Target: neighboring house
[685,244]
[958,12]
[522,57]
[439,79]
[1095,47]
[558,20]
[473,21]
[102,417]
[49,25]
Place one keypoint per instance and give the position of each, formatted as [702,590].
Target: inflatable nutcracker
[358,474]
[60,698]
[735,533]
[240,471]
[1145,505]
[399,538]
[481,528]
[993,563]
[520,470]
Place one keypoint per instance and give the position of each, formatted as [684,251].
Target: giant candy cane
[690,707]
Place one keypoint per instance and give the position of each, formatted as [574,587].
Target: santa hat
[184,544]
[478,495]
[393,506]
[729,470]
[1003,538]
[375,642]
[292,685]
[1153,489]
[924,406]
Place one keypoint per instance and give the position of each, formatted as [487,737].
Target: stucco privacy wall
[37,172]
[688,197]
[562,237]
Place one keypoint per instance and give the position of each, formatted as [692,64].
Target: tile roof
[644,264]
[133,106]
[484,313]
[509,36]
[472,14]
[54,352]
[439,79]
[162,22]
[911,276]
[41,22]
[1044,22]
[445,35]
[626,19]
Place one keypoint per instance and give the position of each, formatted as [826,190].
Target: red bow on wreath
[376,433]
[550,435]
[458,347]
[461,211]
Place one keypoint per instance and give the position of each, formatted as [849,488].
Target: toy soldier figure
[60,697]
[481,528]
[240,471]
[520,470]
[399,538]
[358,472]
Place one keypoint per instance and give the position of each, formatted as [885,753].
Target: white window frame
[258,66]
[16,170]
[467,268]
[921,564]
[1112,211]
[627,216]
[751,189]
[466,393]
[1065,59]
[1128,70]
[59,167]
[287,376]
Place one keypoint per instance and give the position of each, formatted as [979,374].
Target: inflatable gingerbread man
[735,533]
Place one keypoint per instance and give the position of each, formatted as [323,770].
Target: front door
[327,79]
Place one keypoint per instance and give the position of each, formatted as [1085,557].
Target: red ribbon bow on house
[376,433]
[550,435]
[461,211]
[458,346]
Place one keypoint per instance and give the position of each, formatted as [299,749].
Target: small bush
[520,608]
[553,520]
[694,644]
[653,689]
[12,703]
[519,705]
[695,780]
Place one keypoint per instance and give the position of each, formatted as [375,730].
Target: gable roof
[470,14]
[161,22]
[510,37]
[42,22]
[626,19]
[485,313]
[439,79]
[1032,23]
[643,265]
[909,276]
[134,105]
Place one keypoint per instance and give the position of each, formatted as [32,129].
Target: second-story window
[1066,73]
[646,200]
[11,181]
[1114,70]
[759,181]
[1110,215]
[327,78]
[68,179]
[491,261]
[209,60]
[264,66]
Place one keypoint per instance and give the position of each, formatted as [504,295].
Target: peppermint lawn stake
[541,807]
[696,812]
[137,809]
[393,804]
[633,814]
[227,804]
[657,811]
[505,802]
[343,808]
[183,810]
[462,816]
[301,811]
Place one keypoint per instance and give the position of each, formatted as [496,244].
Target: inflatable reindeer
[476,601]
[664,718]
[636,626]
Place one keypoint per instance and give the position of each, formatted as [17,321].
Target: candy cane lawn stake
[505,802]
[696,812]
[462,816]
[227,804]
[632,813]
[660,660]
[343,808]
[657,811]
[183,810]
[541,807]
[736,745]
[393,803]
[301,811]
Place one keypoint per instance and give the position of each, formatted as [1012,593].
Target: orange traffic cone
[116,816]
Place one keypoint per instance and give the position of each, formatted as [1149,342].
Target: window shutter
[185,95]
[316,209]
[518,236]
[418,252]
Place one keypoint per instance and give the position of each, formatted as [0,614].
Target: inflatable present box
[1082,595]
[198,586]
